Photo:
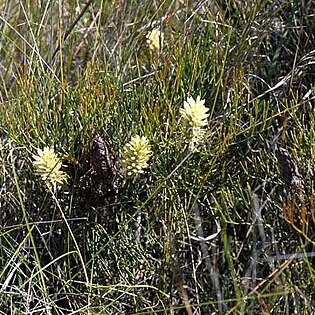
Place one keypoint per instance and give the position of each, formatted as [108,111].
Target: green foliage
[217,231]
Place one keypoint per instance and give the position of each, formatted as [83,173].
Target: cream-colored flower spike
[135,156]
[194,115]
[47,165]
[155,39]
[195,112]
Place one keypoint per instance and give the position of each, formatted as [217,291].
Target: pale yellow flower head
[195,112]
[135,156]
[155,39]
[47,165]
